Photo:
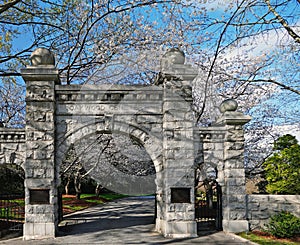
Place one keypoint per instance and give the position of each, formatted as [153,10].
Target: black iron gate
[208,207]
[11,213]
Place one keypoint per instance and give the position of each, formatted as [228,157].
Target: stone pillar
[40,176]
[233,190]
[177,214]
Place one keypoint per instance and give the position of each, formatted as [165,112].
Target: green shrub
[284,225]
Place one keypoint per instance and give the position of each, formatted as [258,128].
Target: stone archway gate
[159,117]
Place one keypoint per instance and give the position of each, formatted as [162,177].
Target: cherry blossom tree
[246,50]
[108,159]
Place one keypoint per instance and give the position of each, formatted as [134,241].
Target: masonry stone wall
[209,141]
[160,117]
[261,207]
[12,146]
[221,147]
[176,217]
[131,110]
[90,110]
[41,197]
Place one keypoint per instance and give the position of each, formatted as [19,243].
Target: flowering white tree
[254,54]
[110,159]
[12,105]
[246,50]
[238,45]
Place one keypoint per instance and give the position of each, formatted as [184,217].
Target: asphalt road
[124,221]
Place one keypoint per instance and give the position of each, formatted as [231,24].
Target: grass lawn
[107,196]
[70,204]
[266,239]
[12,209]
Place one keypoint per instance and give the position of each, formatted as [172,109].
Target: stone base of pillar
[158,225]
[177,229]
[235,226]
[38,231]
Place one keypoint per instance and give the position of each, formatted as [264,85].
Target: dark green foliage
[284,225]
[11,179]
[88,186]
[282,169]
[284,142]
[262,186]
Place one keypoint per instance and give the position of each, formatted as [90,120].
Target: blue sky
[266,45]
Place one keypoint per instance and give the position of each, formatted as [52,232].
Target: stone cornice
[12,135]
[41,73]
[233,118]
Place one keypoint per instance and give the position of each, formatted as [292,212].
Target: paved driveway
[125,221]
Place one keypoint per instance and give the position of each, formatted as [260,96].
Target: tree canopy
[285,141]
[246,50]
[282,169]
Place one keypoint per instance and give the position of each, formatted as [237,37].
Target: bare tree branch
[31,23]
[216,56]
[8,5]
[277,83]
[281,20]
[10,74]
[99,156]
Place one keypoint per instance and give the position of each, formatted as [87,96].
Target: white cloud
[258,45]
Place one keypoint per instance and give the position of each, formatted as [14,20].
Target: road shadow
[81,226]
[123,220]
[114,215]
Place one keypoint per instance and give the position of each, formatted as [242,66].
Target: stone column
[40,176]
[177,197]
[233,190]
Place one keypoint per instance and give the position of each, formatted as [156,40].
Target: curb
[241,238]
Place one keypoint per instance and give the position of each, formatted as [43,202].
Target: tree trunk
[98,189]
[77,184]
[67,186]
[209,196]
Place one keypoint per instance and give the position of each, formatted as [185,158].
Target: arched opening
[12,188]
[117,161]
[208,199]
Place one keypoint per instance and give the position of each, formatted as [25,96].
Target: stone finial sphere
[174,56]
[228,105]
[42,56]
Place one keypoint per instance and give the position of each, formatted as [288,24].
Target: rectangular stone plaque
[181,195]
[39,196]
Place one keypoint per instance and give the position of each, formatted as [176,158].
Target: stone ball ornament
[42,56]
[173,56]
[228,105]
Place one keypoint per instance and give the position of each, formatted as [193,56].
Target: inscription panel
[39,196]
[93,108]
[181,195]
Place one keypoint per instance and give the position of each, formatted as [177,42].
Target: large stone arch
[159,116]
[151,142]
